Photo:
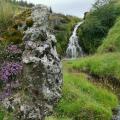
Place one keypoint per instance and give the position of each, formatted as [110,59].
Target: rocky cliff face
[42,75]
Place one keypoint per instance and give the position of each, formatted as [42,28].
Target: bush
[13,36]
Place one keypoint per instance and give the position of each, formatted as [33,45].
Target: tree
[50,10]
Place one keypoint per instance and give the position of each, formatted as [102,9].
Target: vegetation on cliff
[97,24]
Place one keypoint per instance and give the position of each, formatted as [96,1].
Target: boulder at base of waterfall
[42,75]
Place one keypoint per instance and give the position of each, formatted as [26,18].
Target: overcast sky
[71,7]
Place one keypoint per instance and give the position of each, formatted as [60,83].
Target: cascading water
[74,50]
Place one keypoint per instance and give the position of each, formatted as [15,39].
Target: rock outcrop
[42,75]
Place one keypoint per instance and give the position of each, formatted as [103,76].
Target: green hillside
[89,82]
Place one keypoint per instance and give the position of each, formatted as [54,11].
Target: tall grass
[7,11]
[103,65]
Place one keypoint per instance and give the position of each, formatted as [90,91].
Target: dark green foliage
[112,42]
[51,10]
[96,26]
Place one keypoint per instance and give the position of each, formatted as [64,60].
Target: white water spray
[74,50]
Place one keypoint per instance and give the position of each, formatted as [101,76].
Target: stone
[42,70]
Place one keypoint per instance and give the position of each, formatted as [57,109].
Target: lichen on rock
[42,70]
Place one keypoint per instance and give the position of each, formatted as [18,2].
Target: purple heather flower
[9,70]
[14,49]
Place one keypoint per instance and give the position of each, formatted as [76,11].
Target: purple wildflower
[14,49]
[9,70]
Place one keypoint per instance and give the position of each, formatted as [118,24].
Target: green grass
[5,115]
[102,65]
[112,42]
[82,100]
[1,115]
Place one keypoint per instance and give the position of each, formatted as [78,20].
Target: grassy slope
[105,65]
[112,42]
[83,100]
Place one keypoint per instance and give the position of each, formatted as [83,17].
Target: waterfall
[74,50]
